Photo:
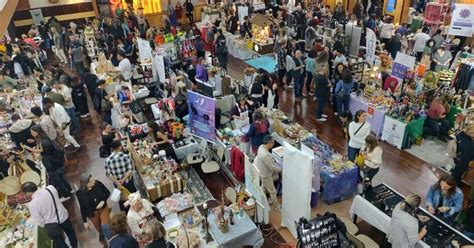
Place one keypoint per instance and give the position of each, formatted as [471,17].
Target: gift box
[167,187]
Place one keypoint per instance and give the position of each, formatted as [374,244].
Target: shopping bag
[360,160]
[115,196]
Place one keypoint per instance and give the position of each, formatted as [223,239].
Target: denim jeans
[352,153]
[343,103]
[320,107]
[75,125]
[298,77]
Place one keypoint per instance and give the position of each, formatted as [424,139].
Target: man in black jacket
[322,92]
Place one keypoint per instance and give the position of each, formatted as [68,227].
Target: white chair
[230,194]
[350,226]
[211,166]
[197,158]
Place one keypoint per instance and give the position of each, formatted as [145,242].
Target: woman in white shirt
[359,129]
[372,153]
[386,31]
[140,215]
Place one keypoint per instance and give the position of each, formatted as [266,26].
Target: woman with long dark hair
[372,153]
[158,134]
[343,91]
[92,197]
[52,157]
[444,198]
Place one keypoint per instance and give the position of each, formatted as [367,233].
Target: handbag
[115,196]
[104,151]
[54,229]
[359,160]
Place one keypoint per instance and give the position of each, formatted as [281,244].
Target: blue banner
[399,70]
[391,4]
[202,111]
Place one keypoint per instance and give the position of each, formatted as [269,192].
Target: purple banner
[399,70]
[202,111]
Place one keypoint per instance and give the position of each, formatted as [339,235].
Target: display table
[338,186]
[267,63]
[376,118]
[243,233]
[191,147]
[237,47]
[379,216]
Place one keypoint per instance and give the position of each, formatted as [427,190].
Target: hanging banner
[371,43]
[160,64]
[462,20]
[399,70]
[202,115]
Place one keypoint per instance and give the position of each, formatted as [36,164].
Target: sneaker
[321,119]
[324,116]
[64,198]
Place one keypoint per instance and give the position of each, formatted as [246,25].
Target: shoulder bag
[54,229]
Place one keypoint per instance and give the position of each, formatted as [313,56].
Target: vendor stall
[238,47]
[375,114]
[261,34]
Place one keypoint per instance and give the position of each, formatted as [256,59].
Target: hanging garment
[464,77]
[237,163]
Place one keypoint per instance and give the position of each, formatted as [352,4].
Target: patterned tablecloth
[243,233]
[376,119]
[337,187]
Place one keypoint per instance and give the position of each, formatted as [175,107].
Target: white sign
[243,12]
[144,50]
[37,16]
[406,60]
[258,6]
[252,180]
[462,20]
[370,45]
[393,132]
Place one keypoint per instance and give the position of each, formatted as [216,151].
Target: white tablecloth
[183,151]
[371,214]
[237,47]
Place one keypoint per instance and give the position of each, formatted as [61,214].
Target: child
[345,118]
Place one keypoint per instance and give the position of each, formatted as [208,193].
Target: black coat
[464,149]
[88,200]
[321,83]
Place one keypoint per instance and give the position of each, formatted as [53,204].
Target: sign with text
[371,40]
[393,131]
[406,60]
[462,23]
[202,115]
[399,70]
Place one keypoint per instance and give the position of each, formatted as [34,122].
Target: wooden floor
[404,172]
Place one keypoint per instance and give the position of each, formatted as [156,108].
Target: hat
[133,199]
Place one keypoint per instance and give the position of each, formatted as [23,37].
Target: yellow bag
[359,160]
[123,193]
[250,44]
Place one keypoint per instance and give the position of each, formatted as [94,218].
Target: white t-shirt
[357,140]
[125,68]
[420,41]
[387,30]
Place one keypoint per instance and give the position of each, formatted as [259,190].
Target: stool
[368,242]
[351,227]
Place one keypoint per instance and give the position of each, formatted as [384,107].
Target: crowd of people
[309,66]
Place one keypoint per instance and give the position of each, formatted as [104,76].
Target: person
[442,58]
[102,102]
[58,48]
[321,61]
[464,155]
[90,80]
[181,108]
[420,42]
[335,77]
[221,53]
[157,234]
[267,168]
[77,56]
[92,196]
[45,122]
[343,91]
[47,210]
[188,5]
[395,45]
[290,67]
[345,119]
[119,168]
[256,91]
[436,120]
[66,92]
[429,48]
[125,67]
[281,61]
[322,85]
[298,75]
[199,45]
[79,98]
[359,129]
[160,140]
[386,31]
[258,129]
[339,57]
[444,199]
[438,38]
[402,30]
[372,153]
[109,134]
[61,120]
[54,96]
[121,238]
[141,213]
[201,71]
[20,131]
[403,231]
[241,109]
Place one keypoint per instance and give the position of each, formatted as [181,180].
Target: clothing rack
[322,231]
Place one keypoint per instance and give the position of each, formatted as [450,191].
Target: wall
[34,4]
[155,19]
[6,15]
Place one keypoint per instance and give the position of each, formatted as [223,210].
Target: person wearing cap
[442,58]
[92,197]
[142,213]
[119,168]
